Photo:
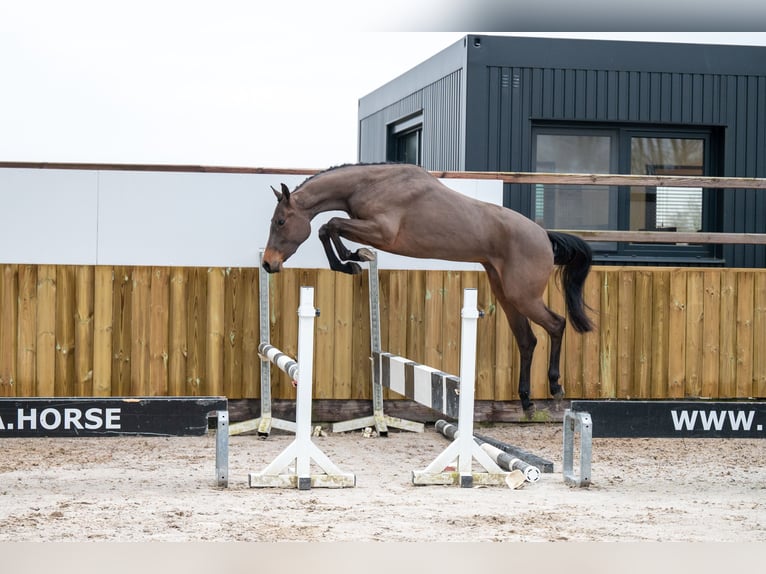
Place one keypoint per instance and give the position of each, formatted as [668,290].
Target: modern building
[502,103]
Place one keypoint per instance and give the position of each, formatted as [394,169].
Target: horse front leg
[329,239]
[354,229]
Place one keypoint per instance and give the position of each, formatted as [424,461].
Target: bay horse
[403,209]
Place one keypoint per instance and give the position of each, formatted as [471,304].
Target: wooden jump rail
[505,177]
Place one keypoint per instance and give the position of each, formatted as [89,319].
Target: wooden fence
[85,330]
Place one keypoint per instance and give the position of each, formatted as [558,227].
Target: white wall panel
[115,217]
[48,216]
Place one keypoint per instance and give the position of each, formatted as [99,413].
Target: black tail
[575,257]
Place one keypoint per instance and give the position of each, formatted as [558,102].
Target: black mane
[342,166]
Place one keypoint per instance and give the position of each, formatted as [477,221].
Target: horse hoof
[529,412]
[354,269]
[559,395]
[365,254]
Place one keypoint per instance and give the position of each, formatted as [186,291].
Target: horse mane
[343,166]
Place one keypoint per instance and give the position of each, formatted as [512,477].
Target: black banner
[675,419]
[69,417]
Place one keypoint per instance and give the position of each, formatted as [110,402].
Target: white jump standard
[296,458]
[463,450]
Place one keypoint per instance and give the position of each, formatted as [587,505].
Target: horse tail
[575,257]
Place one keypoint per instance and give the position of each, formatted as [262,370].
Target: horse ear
[284,194]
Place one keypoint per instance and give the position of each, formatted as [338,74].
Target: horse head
[290,226]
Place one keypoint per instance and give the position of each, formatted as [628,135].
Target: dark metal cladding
[480,98]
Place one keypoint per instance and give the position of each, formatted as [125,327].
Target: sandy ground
[163,489]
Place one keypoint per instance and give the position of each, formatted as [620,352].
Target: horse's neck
[321,196]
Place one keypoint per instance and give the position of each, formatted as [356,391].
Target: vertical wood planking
[196,331]
[695,305]
[644,340]
[361,385]
[728,326]
[159,331]
[660,330]
[8,329]
[325,329]
[251,333]
[433,309]
[759,334]
[122,305]
[711,333]
[80,330]
[591,351]
[395,313]
[65,311]
[103,295]
[177,332]
[140,319]
[745,313]
[234,297]
[343,290]
[286,305]
[610,297]
[626,334]
[26,358]
[83,334]
[415,310]
[46,331]
[677,335]
[215,323]
[452,302]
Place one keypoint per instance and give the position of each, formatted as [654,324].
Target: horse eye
[280,222]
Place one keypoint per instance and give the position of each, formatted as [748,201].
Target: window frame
[605,252]
[398,132]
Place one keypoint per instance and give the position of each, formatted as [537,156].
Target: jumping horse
[403,209]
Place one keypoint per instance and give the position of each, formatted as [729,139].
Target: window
[405,140]
[625,150]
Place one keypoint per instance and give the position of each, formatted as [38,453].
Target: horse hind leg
[554,325]
[526,341]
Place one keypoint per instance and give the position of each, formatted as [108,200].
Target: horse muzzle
[271,261]
[272,267]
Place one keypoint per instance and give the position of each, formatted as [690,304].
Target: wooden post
[65,304]
[159,300]
[216,297]
[177,332]
[103,325]
[26,361]
[83,331]
[8,330]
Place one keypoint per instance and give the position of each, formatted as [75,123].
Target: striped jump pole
[463,451]
[302,450]
[503,459]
